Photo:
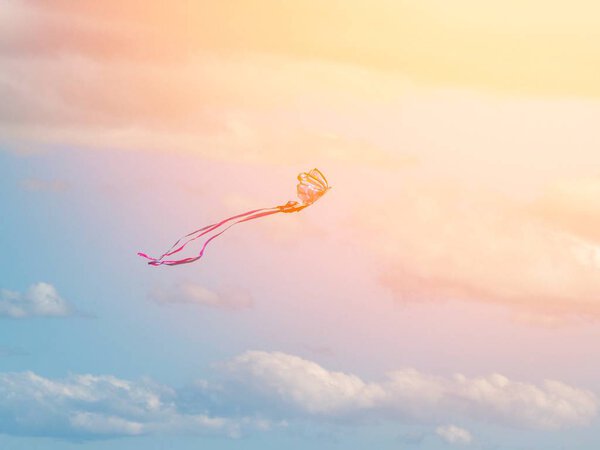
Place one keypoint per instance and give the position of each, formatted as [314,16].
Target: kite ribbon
[289,207]
[312,186]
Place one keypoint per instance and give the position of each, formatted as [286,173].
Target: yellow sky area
[288,81]
[528,46]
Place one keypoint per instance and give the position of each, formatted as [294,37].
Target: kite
[311,187]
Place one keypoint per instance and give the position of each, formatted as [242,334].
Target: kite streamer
[311,187]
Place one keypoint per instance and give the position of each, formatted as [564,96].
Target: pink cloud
[443,241]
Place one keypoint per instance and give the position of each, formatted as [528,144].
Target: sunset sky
[444,294]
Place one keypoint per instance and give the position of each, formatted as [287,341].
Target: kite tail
[185,240]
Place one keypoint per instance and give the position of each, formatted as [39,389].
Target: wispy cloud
[454,435]
[90,406]
[41,299]
[196,294]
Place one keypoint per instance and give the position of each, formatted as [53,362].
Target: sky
[445,293]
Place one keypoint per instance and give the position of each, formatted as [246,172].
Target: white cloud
[41,299]
[100,424]
[192,293]
[302,384]
[454,435]
[304,387]
[92,406]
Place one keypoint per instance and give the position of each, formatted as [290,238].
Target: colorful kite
[311,187]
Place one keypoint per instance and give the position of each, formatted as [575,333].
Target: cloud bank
[258,391]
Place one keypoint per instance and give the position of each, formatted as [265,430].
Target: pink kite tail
[182,242]
[202,231]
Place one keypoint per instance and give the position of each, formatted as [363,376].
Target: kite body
[311,187]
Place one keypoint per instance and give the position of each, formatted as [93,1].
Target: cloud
[572,205]
[138,91]
[101,406]
[41,299]
[213,106]
[445,240]
[299,386]
[405,41]
[454,435]
[195,294]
